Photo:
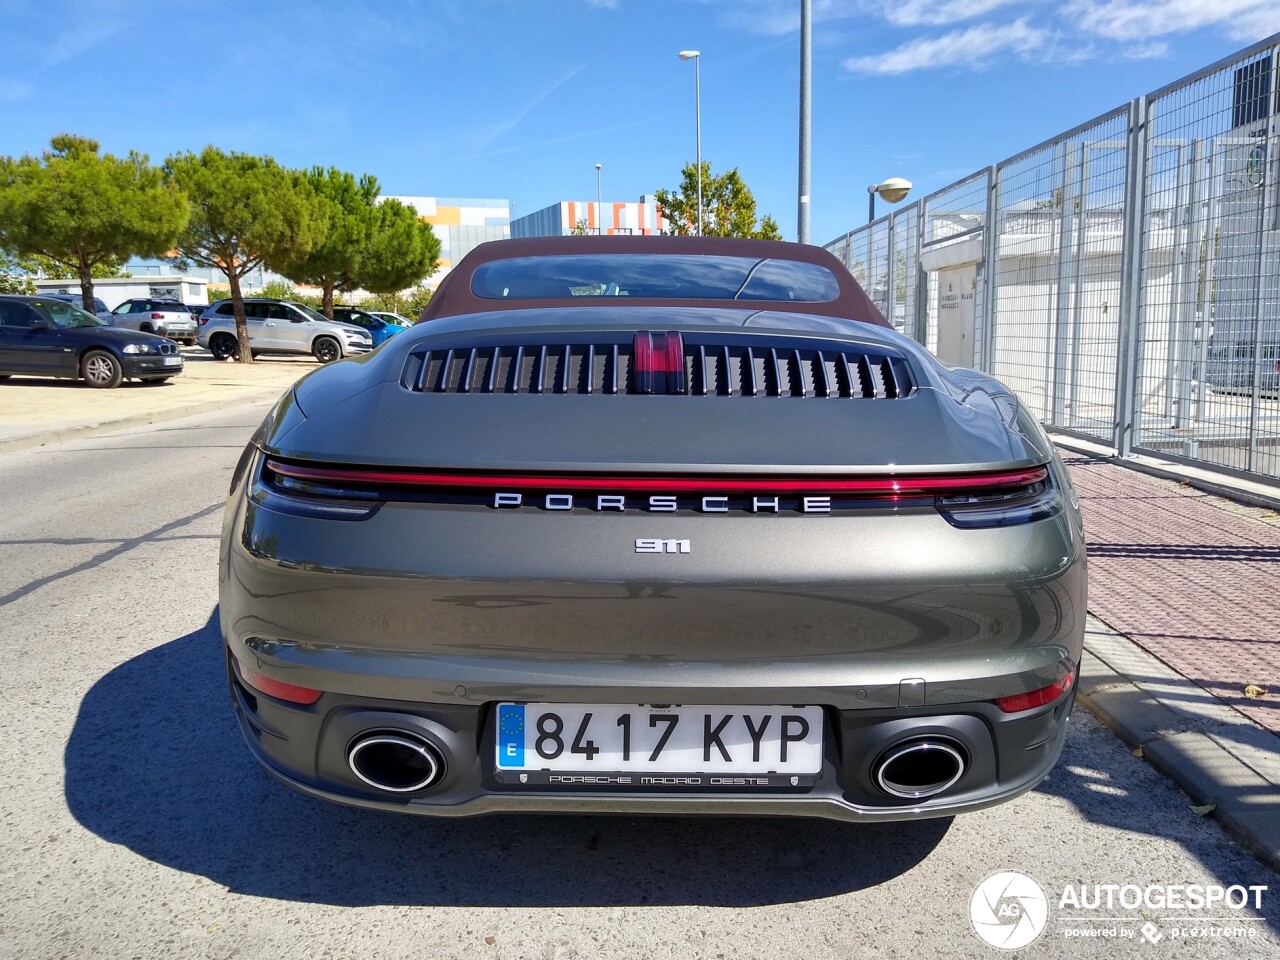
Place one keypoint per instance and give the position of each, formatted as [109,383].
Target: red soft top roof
[454,296]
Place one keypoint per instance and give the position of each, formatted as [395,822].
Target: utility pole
[806,44]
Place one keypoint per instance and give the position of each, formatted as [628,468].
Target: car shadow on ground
[156,764]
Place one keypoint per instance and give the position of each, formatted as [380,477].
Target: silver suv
[281,326]
[168,318]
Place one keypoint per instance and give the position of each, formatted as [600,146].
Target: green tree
[380,247]
[728,206]
[14,275]
[402,250]
[44,267]
[278,290]
[289,292]
[82,210]
[409,302]
[349,205]
[247,212]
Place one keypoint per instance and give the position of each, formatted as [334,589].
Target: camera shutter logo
[1008,910]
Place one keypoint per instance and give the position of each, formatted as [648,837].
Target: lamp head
[689,54]
[893,189]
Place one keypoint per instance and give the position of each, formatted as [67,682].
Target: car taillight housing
[1017,702]
[289,692]
[157,316]
[203,321]
[1034,497]
[659,362]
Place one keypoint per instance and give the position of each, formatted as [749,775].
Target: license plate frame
[781,748]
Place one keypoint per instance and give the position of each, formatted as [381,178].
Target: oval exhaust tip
[919,769]
[399,763]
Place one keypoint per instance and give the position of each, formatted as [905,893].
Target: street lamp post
[806,89]
[599,206]
[893,190]
[696,57]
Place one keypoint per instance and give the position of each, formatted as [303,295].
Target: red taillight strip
[918,485]
[1017,702]
[278,688]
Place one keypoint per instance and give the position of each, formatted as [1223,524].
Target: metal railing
[1123,277]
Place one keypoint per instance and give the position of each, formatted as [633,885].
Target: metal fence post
[990,269]
[1131,277]
[1077,294]
[1062,312]
[1183,308]
[889,274]
[1255,405]
[920,322]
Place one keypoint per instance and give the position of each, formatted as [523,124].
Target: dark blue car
[379,329]
[46,337]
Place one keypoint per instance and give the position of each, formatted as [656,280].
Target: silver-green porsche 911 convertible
[653,524]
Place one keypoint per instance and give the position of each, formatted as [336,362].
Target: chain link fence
[1122,277]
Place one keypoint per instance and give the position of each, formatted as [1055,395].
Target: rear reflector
[1036,698]
[872,486]
[278,688]
[659,363]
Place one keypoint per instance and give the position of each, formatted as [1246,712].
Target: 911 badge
[658,545]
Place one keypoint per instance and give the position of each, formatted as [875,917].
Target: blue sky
[521,98]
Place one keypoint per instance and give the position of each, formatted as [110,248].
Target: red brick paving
[1191,578]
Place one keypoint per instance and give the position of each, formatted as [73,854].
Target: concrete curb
[84,431]
[1212,752]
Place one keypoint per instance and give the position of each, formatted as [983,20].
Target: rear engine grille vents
[763,367]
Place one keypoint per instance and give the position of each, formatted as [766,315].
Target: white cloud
[73,42]
[1153,50]
[972,49]
[914,13]
[14,90]
[1256,23]
[490,133]
[1143,19]
[776,18]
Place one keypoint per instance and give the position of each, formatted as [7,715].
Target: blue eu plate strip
[511,735]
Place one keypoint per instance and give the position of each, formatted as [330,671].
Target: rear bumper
[420,618]
[306,747]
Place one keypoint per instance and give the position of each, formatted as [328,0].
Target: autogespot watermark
[1009,910]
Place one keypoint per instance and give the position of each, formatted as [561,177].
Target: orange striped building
[642,218]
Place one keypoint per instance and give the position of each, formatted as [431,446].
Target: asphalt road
[133,822]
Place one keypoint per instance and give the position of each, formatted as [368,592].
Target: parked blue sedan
[379,329]
[47,337]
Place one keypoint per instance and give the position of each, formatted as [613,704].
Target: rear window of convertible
[654,278]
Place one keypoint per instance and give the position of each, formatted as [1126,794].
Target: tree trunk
[86,284]
[242,327]
[326,299]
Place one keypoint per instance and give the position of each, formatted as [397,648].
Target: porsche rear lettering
[621,503]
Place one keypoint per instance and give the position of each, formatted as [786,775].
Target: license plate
[172,361]
[625,738]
